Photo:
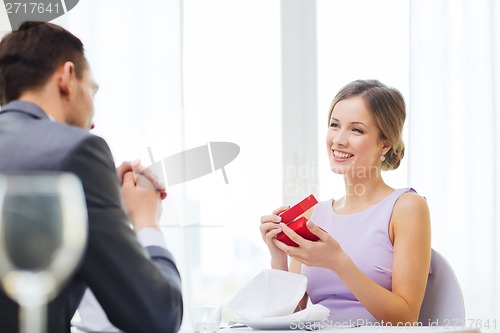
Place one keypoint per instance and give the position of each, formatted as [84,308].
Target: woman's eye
[334,125]
[358,130]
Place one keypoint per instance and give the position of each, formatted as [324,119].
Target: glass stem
[33,318]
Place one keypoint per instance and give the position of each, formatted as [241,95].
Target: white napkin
[271,293]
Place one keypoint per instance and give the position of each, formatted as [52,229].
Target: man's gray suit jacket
[139,290]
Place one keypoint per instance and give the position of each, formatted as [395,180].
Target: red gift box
[299,225]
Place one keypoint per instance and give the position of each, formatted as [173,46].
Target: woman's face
[353,139]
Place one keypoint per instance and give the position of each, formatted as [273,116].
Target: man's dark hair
[30,55]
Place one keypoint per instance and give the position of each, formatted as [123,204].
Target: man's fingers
[122,169]
[142,176]
[141,170]
[128,179]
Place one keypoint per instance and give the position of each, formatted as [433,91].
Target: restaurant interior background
[176,74]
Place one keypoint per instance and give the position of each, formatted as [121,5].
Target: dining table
[343,329]
[321,327]
[366,329]
[358,329]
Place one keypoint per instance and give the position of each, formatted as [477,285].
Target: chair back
[443,303]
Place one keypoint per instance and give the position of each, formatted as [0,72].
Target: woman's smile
[341,156]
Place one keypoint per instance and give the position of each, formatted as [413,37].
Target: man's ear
[66,77]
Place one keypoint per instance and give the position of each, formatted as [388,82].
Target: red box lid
[291,213]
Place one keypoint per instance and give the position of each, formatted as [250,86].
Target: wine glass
[43,232]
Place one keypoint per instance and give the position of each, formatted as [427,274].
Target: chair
[443,303]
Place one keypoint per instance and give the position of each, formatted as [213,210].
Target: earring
[382,158]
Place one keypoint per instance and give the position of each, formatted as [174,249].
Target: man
[47,90]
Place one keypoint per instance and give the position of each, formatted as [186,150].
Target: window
[360,39]
[231,75]
[175,75]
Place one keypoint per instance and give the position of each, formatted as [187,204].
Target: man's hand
[143,176]
[143,203]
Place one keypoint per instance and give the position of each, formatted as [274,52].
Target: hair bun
[393,157]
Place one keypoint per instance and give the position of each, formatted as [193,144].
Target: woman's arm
[296,267]
[269,229]
[410,231]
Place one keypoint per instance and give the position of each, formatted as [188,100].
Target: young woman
[372,260]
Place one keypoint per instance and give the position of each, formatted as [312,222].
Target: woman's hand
[324,252]
[269,229]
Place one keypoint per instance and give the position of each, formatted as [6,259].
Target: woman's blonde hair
[388,109]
